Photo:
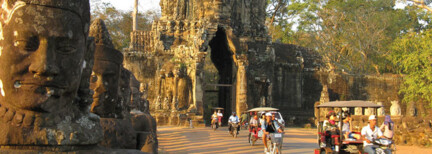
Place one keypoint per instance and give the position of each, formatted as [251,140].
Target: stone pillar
[381,111]
[197,85]
[241,88]
[134,16]
[358,111]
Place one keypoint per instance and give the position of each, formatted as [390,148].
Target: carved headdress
[104,47]
[78,7]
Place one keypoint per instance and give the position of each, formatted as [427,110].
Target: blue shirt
[233,119]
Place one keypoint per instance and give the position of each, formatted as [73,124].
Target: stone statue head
[106,71]
[44,46]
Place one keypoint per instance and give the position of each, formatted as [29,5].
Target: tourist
[330,123]
[220,115]
[262,119]
[269,126]
[330,128]
[214,117]
[388,127]
[253,124]
[346,127]
[369,133]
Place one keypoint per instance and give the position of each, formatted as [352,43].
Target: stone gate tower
[202,54]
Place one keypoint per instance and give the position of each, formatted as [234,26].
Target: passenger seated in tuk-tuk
[253,127]
[346,127]
[330,128]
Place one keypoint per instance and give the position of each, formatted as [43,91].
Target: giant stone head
[43,45]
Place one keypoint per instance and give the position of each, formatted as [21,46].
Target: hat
[372,117]
[268,114]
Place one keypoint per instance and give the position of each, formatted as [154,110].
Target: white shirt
[219,114]
[370,135]
[233,119]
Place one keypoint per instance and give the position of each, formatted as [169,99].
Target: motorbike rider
[214,117]
[233,119]
[269,126]
[370,133]
[244,118]
[219,115]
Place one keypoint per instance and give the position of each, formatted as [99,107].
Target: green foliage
[351,35]
[412,54]
[119,23]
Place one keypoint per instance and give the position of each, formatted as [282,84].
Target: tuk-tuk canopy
[353,103]
[263,109]
[217,108]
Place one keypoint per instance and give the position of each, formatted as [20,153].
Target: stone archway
[222,58]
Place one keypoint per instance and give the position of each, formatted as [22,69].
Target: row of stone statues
[62,90]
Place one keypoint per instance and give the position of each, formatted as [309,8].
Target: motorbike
[274,144]
[215,125]
[234,130]
[384,145]
[245,125]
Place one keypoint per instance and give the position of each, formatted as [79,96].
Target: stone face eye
[93,78]
[65,46]
[30,44]
[66,49]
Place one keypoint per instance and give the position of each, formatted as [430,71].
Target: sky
[126,5]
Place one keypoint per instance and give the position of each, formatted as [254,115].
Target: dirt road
[179,140]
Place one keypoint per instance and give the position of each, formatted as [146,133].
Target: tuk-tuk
[340,145]
[218,122]
[253,134]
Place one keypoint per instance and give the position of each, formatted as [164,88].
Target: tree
[352,35]
[119,23]
[412,54]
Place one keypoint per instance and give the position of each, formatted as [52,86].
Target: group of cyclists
[266,124]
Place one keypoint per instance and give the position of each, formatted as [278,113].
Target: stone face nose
[43,60]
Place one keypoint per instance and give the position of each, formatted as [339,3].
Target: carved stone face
[105,82]
[41,58]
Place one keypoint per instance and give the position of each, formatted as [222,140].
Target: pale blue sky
[126,5]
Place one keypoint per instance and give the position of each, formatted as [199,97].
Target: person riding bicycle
[269,126]
[233,119]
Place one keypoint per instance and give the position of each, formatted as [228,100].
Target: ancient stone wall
[170,57]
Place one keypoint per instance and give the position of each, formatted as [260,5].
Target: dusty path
[179,140]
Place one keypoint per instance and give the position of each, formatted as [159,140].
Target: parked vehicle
[340,145]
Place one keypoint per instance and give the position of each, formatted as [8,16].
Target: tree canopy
[351,35]
[362,37]
[119,23]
